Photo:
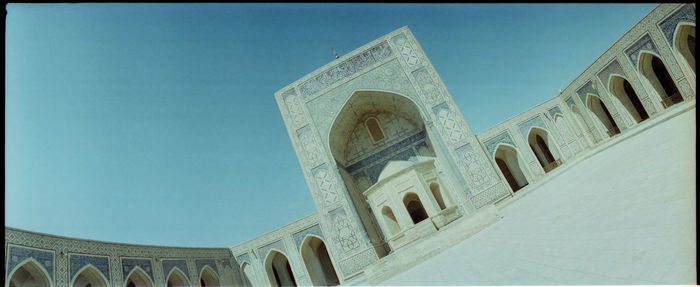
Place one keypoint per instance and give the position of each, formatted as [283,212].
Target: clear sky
[156,123]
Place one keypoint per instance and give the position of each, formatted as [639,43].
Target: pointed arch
[89,275]
[318,262]
[621,88]
[596,105]
[512,166]
[176,278]
[137,277]
[390,221]
[545,149]
[584,126]
[415,208]
[278,269]
[208,277]
[248,275]
[684,43]
[655,72]
[29,273]
[437,194]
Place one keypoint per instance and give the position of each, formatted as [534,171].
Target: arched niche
[654,70]
[176,278]
[392,225]
[318,262]
[684,43]
[415,208]
[511,166]
[28,273]
[544,148]
[208,277]
[361,147]
[89,276]
[247,274]
[584,126]
[278,270]
[138,278]
[597,106]
[437,194]
[625,93]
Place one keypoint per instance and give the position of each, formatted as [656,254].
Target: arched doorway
[208,278]
[654,70]
[137,278]
[318,262]
[30,274]
[176,278]
[372,129]
[684,43]
[278,270]
[247,274]
[623,91]
[414,207]
[511,167]
[390,221]
[89,276]
[596,105]
[435,190]
[539,142]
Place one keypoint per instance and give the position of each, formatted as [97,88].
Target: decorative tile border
[684,14]
[77,261]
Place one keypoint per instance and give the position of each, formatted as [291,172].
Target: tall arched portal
[138,278]
[318,262]
[177,278]
[655,71]
[370,130]
[208,278]
[30,274]
[415,208]
[278,270]
[89,276]
[511,166]
[684,43]
[544,150]
[623,91]
[598,108]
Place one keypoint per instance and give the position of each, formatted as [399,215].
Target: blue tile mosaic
[299,236]
[612,68]
[204,262]
[585,90]
[555,110]
[570,102]
[374,171]
[386,152]
[644,43]
[534,122]
[78,261]
[17,254]
[243,258]
[493,142]
[226,262]
[129,264]
[684,14]
[345,69]
[169,264]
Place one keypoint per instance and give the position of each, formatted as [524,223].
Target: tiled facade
[314,111]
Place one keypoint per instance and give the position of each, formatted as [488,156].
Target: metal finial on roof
[334,53]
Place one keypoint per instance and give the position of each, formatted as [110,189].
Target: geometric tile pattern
[644,43]
[684,14]
[491,143]
[17,254]
[299,236]
[613,67]
[77,261]
[585,90]
[555,110]
[525,127]
[169,264]
[130,263]
[204,262]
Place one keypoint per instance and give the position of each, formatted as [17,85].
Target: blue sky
[156,123]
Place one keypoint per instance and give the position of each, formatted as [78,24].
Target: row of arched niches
[390,120]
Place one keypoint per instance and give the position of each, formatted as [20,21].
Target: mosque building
[391,162]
